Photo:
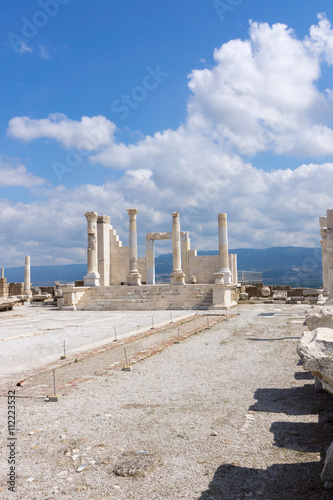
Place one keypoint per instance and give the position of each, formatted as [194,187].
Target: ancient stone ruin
[316,345]
[208,281]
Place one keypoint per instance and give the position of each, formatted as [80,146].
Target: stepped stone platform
[151,297]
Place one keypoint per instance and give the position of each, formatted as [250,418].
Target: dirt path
[226,414]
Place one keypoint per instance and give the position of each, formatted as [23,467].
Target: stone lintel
[163,236]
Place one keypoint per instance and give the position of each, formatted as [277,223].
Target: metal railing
[250,277]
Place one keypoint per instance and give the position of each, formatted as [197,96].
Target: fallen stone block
[265,291]
[310,291]
[243,296]
[280,295]
[316,352]
[319,317]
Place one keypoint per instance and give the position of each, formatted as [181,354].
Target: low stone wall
[4,287]
[16,289]
[279,292]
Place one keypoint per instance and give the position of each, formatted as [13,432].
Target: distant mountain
[297,266]
[47,275]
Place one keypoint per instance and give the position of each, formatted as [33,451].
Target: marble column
[323,232]
[330,255]
[224,274]
[27,278]
[2,272]
[233,267]
[150,261]
[103,249]
[92,277]
[186,245]
[177,276]
[133,277]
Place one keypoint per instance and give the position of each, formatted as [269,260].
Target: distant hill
[47,275]
[297,266]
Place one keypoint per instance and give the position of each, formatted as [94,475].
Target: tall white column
[323,232]
[234,269]
[27,278]
[133,277]
[92,277]
[224,274]
[150,261]
[177,276]
[2,272]
[103,249]
[330,254]
[186,245]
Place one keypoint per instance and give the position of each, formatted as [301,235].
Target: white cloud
[89,134]
[17,175]
[261,95]
[24,47]
[264,209]
[44,52]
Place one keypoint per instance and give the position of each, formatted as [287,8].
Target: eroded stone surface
[265,291]
[319,317]
[134,464]
[316,352]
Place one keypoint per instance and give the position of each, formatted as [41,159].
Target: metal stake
[127,367]
[115,334]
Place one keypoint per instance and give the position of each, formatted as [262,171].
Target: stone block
[310,291]
[280,295]
[316,352]
[319,317]
[265,291]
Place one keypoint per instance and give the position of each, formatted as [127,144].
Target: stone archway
[150,253]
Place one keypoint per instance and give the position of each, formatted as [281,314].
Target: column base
[177,278]
[224,273]
[91,279]
[222,297]
[219,280]
[133,279]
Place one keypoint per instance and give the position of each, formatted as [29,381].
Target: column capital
[91,216]
[103,219]
[132,212]
[175,214]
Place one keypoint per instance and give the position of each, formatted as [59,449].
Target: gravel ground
[226,414]
[32,335]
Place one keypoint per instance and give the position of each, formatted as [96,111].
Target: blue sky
[201,107]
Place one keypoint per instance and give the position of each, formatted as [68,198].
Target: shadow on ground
[278,482]
[283,481]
